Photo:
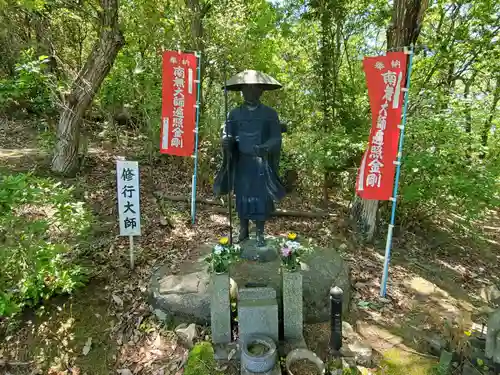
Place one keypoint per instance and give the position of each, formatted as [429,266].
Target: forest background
[85,75]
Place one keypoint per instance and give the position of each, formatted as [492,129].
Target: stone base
[186,294]
[275,371]
[250,251]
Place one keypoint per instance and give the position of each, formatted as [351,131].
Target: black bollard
[336,295]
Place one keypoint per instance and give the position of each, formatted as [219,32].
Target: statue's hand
[260,150]
[227,142]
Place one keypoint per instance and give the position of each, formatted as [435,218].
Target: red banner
[178,103]
[386,79]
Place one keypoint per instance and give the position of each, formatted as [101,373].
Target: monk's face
[251,93]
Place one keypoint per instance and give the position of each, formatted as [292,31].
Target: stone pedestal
[250,250]
[292,308]
[257,313]
[185,295]
[320,269]
[220,309]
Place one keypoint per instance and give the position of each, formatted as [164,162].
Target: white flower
[218,249]
[292,245]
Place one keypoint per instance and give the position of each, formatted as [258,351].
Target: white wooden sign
[127,181]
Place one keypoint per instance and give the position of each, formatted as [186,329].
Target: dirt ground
[107,327]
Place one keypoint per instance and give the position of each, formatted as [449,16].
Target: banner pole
[195,173]
[228,159]
[388,245]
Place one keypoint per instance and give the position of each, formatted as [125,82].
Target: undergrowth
[40,226]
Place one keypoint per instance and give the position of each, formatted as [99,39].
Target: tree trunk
[468,112]
[198,12]
[487,124]
[65,160]
[404,29]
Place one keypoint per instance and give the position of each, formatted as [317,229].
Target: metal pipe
[195,172]
[388,244]
[228,159]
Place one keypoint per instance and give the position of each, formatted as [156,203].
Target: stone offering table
[186,294]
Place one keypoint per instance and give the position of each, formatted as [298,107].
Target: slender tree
[99,62]
[404,29]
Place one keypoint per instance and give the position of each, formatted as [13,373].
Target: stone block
[292,305]
[258,314]
[256,293]
[220,309]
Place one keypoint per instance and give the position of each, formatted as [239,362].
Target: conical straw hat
[252,77]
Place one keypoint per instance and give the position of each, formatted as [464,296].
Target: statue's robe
[254,177]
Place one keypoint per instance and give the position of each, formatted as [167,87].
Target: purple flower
[286,251]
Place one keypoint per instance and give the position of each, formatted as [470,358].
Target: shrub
[30,88]
[40,224]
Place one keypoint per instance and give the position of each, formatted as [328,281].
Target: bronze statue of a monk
[251,139]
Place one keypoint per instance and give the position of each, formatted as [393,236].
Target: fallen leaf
[221,368]
[231,354]
[124,371]
[117,300]
[364,304]
[86,348]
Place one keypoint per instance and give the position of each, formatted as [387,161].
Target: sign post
[129,214]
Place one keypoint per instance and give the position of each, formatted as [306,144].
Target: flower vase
[292,304]
[220,308]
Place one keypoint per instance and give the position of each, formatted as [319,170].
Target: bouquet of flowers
[223,254]
[290,252]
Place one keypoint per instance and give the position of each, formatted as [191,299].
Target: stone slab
[256,293]
[258,317]
[182,297]
[186,295]
[292,305]
[220,309]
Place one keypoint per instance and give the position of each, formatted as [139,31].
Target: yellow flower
[292,236]
[224,241]
[468,333]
